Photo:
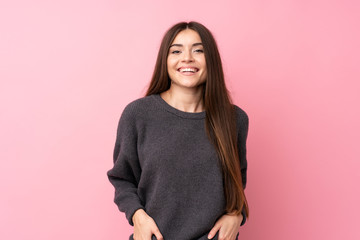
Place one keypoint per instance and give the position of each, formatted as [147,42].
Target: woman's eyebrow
[180,45]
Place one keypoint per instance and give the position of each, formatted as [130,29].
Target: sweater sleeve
[125,174]
[243,127]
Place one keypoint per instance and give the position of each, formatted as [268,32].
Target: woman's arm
[125,174]
[228,225]
[243,129]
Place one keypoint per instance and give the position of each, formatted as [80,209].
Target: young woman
[180,154]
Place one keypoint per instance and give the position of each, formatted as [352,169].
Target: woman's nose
[187,56]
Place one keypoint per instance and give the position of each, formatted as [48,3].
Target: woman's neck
[186,101]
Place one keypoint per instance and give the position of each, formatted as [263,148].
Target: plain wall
[68,68]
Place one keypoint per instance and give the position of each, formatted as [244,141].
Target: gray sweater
[165,164]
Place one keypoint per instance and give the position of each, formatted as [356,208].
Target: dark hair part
[220,112]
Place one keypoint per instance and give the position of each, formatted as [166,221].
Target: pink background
[68,68]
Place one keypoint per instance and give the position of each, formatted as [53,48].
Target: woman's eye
[175,52]
[199,50]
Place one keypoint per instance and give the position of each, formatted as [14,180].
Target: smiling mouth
[191,70]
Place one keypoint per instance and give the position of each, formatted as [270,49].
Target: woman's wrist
[138,215]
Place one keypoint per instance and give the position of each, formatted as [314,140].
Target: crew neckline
[171,109]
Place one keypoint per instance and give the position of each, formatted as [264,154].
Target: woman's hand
[145,226]
[228,227]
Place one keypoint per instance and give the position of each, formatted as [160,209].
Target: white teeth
[188,70]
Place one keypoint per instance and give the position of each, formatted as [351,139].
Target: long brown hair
[220,113]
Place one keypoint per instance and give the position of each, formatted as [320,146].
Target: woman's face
[186,63]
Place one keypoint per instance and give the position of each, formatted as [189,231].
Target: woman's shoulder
[139,106]
[242,121]
[141,102]
[241,114]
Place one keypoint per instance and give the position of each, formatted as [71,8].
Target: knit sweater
[165,164]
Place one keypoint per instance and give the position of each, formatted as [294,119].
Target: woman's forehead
[186,37]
